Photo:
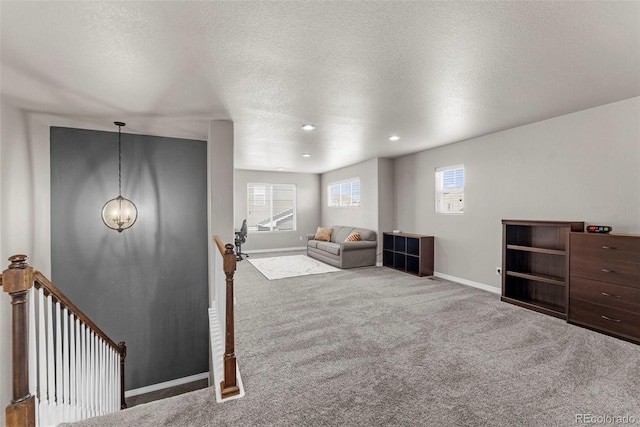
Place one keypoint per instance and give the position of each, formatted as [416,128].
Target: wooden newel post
[123,355]
[16,281]
[229,386]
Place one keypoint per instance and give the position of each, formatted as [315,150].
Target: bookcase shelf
[411,253]
[552,280]
[535,264]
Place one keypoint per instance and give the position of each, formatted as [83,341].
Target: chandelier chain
[119,164]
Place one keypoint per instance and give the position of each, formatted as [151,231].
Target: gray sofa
[343,254]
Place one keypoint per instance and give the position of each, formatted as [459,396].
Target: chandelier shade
[119,213]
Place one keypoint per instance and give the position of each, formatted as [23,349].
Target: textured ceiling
[432,72]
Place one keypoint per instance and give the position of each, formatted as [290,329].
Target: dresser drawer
[606,270]
[606,319]
[606,246]
[606,294]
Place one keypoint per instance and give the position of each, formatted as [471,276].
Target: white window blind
[271,207]
[450,190]
[344,193]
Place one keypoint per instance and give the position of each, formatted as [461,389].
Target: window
[271,207]
[450,190]
[344,193]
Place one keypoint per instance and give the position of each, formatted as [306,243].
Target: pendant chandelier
[119,213]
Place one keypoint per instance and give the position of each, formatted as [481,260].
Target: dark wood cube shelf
[411,253]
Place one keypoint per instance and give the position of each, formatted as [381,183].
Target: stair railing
[65,368]
[229,385]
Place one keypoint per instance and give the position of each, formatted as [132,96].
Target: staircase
[65,368]
[278,221]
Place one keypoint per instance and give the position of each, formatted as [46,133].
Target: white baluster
[115,372]
[65,362]
[90,373]
[43,396]
[114,403]
[100,376]
[51,369]
[96,379]
[114,384]
[58,364]
[84,370]
[105,387]
[118,383]
[105,384]
[33,350]
[73,368]
[107,379]
[79,369]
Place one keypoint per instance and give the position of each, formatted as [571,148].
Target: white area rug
[290,266]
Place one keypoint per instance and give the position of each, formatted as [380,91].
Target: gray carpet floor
[377,347]
[166,393]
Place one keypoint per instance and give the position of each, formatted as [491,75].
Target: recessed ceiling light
[394,138]
[280,169]
[306,155]
[308,126]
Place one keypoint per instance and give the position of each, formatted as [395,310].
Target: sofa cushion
[313,243]
[353,237]
[332,248]
[340,233]
[367,234]
[323,234]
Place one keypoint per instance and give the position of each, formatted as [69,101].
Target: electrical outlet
[499,271]
[300,238]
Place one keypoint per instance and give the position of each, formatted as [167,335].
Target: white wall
[386,199]
[365,215]
[5,313]
[377,199]
[583,166]
[24,210]
[307,208]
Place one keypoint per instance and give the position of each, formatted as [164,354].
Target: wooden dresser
[604,283]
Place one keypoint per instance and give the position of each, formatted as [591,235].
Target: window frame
[339,184]
[268,200]
[440,189]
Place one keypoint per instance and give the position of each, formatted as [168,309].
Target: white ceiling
[432,72]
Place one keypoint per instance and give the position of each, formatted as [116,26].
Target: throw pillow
[353,237]
[323,234]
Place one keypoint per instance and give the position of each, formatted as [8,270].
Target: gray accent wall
[147,286]
[583,166]
[307,208]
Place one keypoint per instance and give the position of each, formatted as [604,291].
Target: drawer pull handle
[609,318]
[605,270]
[609,295]
[609,247]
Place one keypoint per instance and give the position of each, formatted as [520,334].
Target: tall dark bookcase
[535,264]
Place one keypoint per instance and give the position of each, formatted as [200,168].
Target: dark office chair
[241,237]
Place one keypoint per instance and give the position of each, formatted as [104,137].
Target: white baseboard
[260,251]
[471,283]
[166,384]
